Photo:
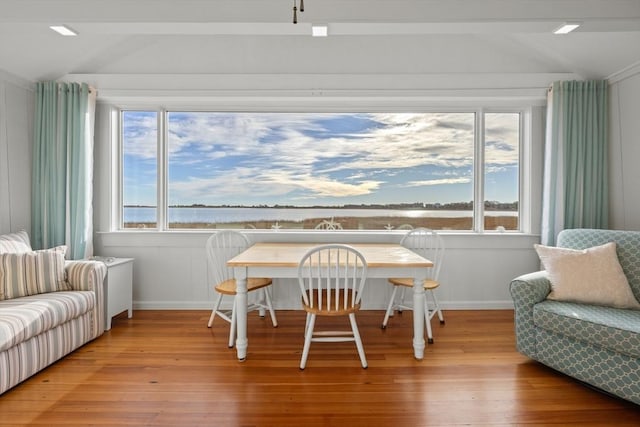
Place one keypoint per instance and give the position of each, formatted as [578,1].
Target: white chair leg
[306,324]
[262,302]
[232,328]
[216,306]
[427,318]
[389,307]
[311,320]
[401,299]
[356,336]
[437,307]
[267,298]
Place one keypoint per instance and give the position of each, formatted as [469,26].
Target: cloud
[308,155]
[287,140]
[140,134]
[502,138]
[268,183]
[447,181]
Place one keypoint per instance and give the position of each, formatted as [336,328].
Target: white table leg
[241,313]
[418,319]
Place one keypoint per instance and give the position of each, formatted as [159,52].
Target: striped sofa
[597,345]
[37,330]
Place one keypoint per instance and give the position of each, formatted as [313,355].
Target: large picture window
[349,171]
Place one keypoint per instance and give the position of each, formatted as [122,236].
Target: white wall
[16,130]
[624,152]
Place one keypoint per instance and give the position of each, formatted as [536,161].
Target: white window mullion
[525,171]
[478,173]
[162,171]
[117,197]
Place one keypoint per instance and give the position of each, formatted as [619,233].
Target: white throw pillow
[15,243]
[591,276]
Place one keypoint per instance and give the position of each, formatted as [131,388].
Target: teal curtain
[62,168]
[575,189]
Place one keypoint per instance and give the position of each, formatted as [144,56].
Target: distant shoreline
[461,206]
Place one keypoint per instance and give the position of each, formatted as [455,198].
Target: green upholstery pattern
[605,369]
[597,345]
[527,291]
[600,326]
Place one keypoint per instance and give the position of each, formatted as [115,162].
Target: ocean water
[208,215]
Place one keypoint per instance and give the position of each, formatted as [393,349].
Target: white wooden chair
[429,244]
[220,247]
[331,279]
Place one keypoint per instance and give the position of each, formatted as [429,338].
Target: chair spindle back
[332,277]
[427,243]
[221,247]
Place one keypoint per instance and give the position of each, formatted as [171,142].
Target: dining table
[280,260]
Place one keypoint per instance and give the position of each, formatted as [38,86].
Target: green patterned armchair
[597,345]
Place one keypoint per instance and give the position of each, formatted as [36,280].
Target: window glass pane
[502,151]
[139,169]
[327,170]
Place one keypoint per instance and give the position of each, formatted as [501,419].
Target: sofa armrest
[84,275]
[528,290]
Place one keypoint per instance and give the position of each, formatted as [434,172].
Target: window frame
[479,111]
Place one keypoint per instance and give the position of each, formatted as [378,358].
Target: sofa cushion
[15,243]
[26,317]
[31,273]
[606,327]
[591,276]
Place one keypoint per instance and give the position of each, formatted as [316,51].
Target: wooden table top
[289,255]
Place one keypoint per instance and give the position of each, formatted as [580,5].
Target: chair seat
[228,287]
[341,310]
[429,284]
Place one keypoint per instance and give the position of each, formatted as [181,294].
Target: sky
[309,159]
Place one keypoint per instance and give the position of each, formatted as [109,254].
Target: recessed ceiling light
[567,27]
[64,30]
[319,30]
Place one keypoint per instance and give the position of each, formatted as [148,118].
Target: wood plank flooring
[166,368]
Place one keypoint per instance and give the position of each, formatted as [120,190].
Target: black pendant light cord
[295,10]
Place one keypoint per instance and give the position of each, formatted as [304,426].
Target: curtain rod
[60,88]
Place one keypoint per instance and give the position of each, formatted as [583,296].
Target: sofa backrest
[627,247]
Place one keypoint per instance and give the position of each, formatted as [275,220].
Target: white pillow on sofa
[591,276]
[15,242]
[31,273]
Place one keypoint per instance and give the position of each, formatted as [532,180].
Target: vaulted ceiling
[412,38]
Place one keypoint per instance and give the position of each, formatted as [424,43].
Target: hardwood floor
[166,368]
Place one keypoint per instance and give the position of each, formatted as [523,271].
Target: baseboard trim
[199,305]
